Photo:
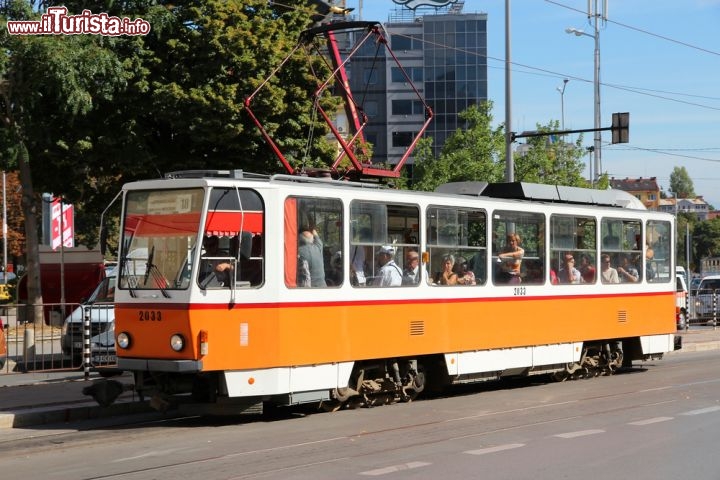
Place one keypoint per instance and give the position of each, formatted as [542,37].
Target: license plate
[104,358]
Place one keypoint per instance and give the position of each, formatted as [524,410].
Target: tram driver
[215,271]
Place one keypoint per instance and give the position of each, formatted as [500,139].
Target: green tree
[706,239]
[477,153]
[681,184]
[47,83]
[473,153]
[551,160]
[115,109]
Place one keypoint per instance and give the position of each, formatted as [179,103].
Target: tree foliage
[477,153]
[681,184]
[551,160]
[472,153]
[106,110]
[706,239]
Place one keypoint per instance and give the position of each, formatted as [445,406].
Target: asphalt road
[657,421]
[39,398]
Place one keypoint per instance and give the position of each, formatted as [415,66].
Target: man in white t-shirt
[390,273]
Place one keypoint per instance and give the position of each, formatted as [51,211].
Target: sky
[659,61]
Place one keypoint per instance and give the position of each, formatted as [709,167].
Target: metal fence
[57,337]
[703,307]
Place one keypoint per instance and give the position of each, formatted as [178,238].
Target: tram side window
[518,246]
[383,237]
[658,248]
[457,245]
[573,249]
[622,242]
[233,242]
[313,242]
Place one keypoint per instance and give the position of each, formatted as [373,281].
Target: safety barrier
[57,336]
[703,308]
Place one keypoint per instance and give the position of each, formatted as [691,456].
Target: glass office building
[446,57]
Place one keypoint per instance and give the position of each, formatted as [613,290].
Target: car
[103,357]
[100,307]
[706,299]
[681,299]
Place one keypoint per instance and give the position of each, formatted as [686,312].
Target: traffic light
[621,127]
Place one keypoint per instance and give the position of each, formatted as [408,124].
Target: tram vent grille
[417,327]
[622,316]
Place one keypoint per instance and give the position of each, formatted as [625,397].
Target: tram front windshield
[160,238]
[160,232]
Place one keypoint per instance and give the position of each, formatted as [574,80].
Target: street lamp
[596,84]
[562,102]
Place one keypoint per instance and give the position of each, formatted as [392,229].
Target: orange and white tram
[257,330]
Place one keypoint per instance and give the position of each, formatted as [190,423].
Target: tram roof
[509,190]
[545,193]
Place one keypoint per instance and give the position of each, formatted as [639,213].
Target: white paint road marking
[650,421]
[580,433]
[499,448]
[395,468]
[702,410]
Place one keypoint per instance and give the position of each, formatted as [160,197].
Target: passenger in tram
[214,271]
[587,269]
[510,259]
[465,276]
[607,273]
[411,272]
[627,271]
[447,276]
[390,273]
[649,264]
[357,256]
[568,273]
[311,266]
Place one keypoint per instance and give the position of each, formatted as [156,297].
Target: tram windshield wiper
[125,272]
[152,270]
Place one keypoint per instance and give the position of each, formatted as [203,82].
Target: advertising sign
[413,4]
[61,224]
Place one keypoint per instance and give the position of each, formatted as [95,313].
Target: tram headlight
[123,340]
[177,342]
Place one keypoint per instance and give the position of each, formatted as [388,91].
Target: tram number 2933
[149,315]
[516,291]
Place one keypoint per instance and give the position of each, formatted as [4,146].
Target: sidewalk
[28,399]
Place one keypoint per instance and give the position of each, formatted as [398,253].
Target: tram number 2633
[149,316]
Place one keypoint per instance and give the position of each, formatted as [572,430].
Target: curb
[700,346]
[81,411]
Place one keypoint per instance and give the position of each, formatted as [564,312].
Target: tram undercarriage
[372,383]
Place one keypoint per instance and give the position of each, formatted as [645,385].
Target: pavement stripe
[499,448]
[580,433]
[395,468]
[650,421]
[702,410]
